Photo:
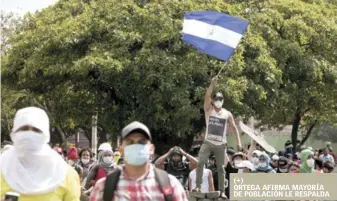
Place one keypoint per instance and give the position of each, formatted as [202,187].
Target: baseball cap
[257,152]
[239,154]
[230,152]
[218,95]
[136,127]
[246,164]
[275,157]
[105,147]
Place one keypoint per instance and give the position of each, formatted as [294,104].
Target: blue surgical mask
[137,154]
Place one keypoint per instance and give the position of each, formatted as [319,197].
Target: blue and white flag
[216,34]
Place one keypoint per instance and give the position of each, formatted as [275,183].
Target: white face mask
[263,165]
[310,162]
[107,159]
[237,162]
[85,161]
[255,160]
[27,142]
[218,104]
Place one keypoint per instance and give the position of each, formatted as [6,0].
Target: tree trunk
[63,137]
[77,138]
[294,131]
[102,136]
[94,134]
[306,137]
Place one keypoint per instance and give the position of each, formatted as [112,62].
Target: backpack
[112,179]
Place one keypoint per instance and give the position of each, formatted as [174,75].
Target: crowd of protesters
[38,172]
[252,160]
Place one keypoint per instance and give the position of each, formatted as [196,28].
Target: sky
[23,6]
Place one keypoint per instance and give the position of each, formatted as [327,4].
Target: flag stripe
[211,32]
[220,19]
[210,47]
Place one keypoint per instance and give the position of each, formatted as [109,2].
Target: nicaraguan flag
[216,34]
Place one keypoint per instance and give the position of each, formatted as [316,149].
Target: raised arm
[208,94]
[251,149]
[160,161]
[193,162]
[234,130]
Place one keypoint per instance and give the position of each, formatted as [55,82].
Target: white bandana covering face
[31,167]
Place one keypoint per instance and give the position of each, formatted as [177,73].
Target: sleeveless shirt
[216,127]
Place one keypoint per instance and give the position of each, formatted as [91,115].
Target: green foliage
[126,61]
[301,37]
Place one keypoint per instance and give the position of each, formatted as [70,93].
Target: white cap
[246,164]
[257,152]
[275,157]
[105,147]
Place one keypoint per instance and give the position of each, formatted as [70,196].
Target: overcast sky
[23,6]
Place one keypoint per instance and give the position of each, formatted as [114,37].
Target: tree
[9,102]
[10,24]
[125,60]
[301,37]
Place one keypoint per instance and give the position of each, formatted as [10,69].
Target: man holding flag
[218,122]
[216,34]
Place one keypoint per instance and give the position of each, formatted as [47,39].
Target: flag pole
[222,69]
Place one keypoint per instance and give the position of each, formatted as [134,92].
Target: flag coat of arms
[213,33]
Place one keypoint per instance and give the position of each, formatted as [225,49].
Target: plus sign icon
[238,181]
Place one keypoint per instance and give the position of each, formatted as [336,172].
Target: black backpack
[112,180]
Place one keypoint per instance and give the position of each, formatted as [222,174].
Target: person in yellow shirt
[31,167]
[117,156]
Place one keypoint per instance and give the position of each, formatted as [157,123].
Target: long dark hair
[86,149]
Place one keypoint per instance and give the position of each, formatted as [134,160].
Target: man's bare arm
[234,130]
[193,162]
[160,161]
[251,150]
[208,94]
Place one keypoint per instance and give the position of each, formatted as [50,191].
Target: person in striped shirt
[137,180]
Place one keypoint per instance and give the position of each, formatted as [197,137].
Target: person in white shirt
[219,122]
[325,157]
[207,184]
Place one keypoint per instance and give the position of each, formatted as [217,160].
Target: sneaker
[196,190]
[223,195]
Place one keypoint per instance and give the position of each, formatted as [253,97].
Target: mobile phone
[12,196]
